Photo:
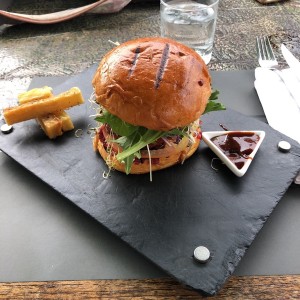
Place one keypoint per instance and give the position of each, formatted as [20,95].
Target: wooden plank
[238,287]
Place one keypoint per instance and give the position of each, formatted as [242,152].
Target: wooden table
[243,287]
[67,48]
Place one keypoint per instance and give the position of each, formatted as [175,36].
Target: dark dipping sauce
[237,146]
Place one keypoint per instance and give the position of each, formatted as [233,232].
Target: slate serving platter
[185,206]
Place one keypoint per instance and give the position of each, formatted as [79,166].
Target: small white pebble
[284,146]
[6,128]
[201,254]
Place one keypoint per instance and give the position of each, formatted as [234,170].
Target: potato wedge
[51,125]
[35,94]
[43,93]
[43,107]
[65,119]
[55,124]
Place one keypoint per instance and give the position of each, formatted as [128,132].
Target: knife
[291,60]
[294,65]
[292,77]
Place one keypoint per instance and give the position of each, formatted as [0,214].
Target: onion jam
[237,145]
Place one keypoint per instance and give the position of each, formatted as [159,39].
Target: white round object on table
[202,254]
[284,146]
[6,128]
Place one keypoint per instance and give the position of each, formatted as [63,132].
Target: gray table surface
[45,237]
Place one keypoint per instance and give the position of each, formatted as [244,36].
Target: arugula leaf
[128,163]
[140,139]
[133,138]
[148,137]
[126,143]
[119,126]
[212,105]
[214,95]
[179,131]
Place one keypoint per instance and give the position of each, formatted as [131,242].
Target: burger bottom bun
[144,167]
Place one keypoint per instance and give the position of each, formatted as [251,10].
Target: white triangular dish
[207,136]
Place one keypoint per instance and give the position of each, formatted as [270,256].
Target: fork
[266,57]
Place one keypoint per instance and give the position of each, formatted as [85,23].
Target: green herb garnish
[212,105]
[133,138]
[118,126]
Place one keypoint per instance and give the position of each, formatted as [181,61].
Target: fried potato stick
[35,109]
[35,94]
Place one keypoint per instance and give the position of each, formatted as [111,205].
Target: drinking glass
[191,22]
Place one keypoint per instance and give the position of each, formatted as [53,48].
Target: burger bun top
[153,82]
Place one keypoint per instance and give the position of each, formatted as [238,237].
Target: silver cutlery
[291,60]
[294,64]
[267,59]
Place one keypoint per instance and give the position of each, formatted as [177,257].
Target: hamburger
[151,93]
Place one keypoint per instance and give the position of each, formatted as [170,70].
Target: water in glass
[190,23]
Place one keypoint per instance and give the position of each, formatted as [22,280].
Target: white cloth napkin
[281,107]
[280,99]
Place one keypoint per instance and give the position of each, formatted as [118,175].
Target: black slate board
[185,206]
